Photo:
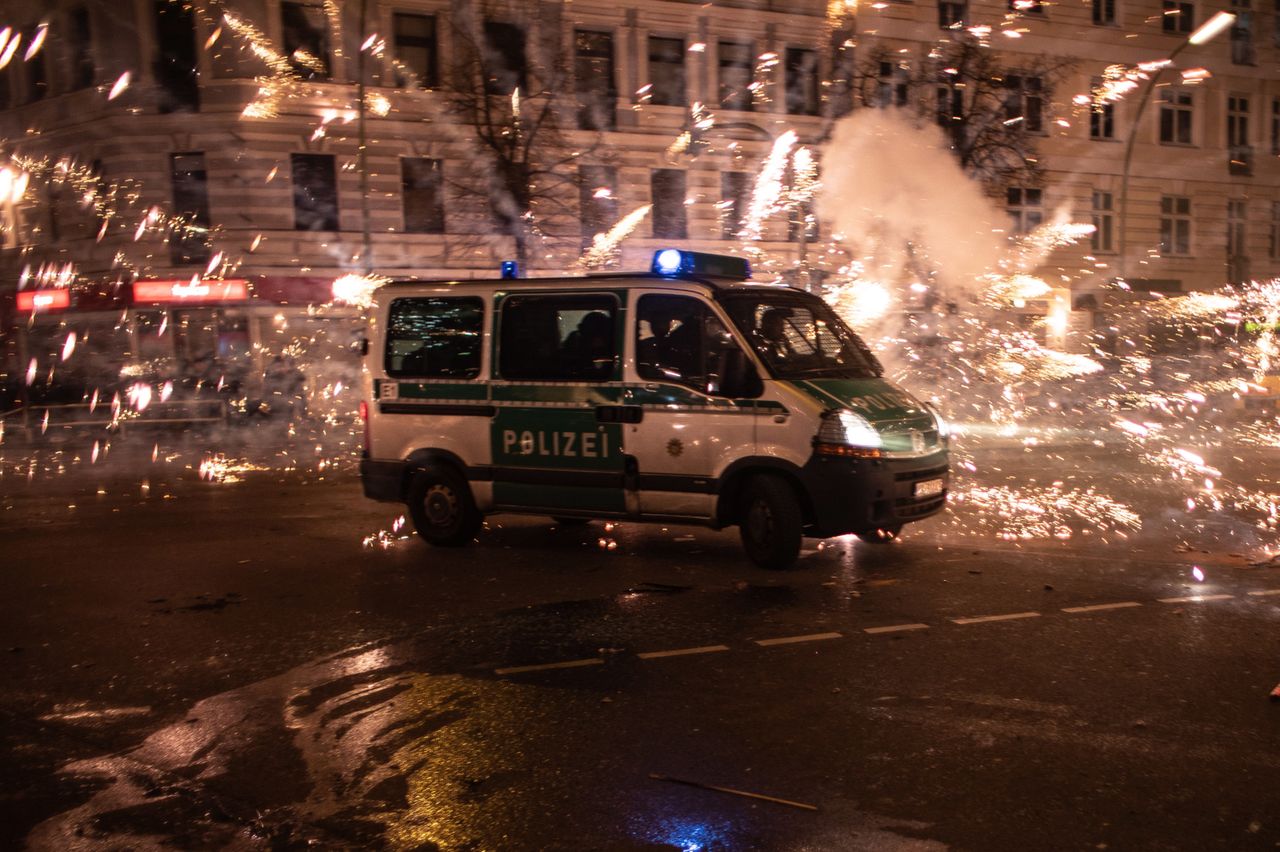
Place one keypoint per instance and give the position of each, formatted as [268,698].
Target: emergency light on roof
[510,269]
[674,262]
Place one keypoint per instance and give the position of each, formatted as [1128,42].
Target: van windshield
[800,337]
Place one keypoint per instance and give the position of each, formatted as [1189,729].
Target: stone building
[235,146]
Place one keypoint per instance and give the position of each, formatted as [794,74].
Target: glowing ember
[121,84]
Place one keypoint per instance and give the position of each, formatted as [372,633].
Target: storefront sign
[187,291]
[33,301]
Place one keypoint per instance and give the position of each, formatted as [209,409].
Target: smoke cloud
[895,192]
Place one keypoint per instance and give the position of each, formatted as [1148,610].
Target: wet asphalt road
[227,666]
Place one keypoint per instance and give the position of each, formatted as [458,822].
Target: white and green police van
[684,395]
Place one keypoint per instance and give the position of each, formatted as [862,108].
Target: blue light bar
[510,269]
[672,263]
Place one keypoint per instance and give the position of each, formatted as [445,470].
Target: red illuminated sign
[187,291]
[31,301]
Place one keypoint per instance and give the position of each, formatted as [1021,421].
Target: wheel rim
[760,522]
[440,505]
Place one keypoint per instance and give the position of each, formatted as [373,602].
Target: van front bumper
[862,495]
[383,480]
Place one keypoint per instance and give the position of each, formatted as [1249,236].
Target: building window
[175,66]
[1237,241]
[1175,117]
[1103,222]
[417,60]
[1275,126]
[666,71]
[1175,225]
[950,104]
[558,338]
[1102,116]
[1025,101]
[1025,206]
[737,63]
[422,191]
[1236,246]
[503,62]
[80,47]
[1027,7]
[191,205]
[802,81]
[597,199]
[952,13]
[735,192]
[435,338]
[891,86]
[1238,147]
[1275,231]
[1104,12]
[1242,52]
[35,70]
[315,192]
[306,39]
[593,78]
[1178,17]
[667,190]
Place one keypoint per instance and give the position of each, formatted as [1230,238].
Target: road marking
[1101,607]
[568,664]
[790,640]
[985,618]
[1195,598]
[682,652]
[895,628]
[1262,593]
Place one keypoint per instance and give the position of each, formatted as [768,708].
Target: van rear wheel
[770,522]
[443,510]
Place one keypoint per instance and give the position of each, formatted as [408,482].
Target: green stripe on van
[443,390]
[582,394]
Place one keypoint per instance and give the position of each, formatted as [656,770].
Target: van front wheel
[442,508]
[771,522]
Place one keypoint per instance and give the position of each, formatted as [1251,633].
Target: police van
[687,394]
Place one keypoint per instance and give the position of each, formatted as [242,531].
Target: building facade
[233,147]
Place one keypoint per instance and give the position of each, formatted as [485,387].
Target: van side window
[435,338]
[679,339]
[558,338]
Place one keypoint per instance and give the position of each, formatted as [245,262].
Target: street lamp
[1202,34]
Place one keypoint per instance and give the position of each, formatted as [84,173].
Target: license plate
[928,488]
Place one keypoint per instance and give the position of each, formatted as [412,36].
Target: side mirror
[364,346]
[738,376]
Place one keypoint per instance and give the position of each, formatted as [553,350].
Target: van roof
[593,279]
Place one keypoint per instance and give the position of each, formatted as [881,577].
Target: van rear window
[558,338]
[435,338]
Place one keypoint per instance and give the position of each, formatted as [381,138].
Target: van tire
[443,510]
[770,522]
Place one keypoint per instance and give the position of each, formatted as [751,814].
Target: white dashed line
[1195,598]
[1262,593]
[985,618]
[568,664]
[790,640]
[682,652]
[1101,607]
[895,628]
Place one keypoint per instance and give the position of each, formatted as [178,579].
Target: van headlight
[844,433]
[940,423]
